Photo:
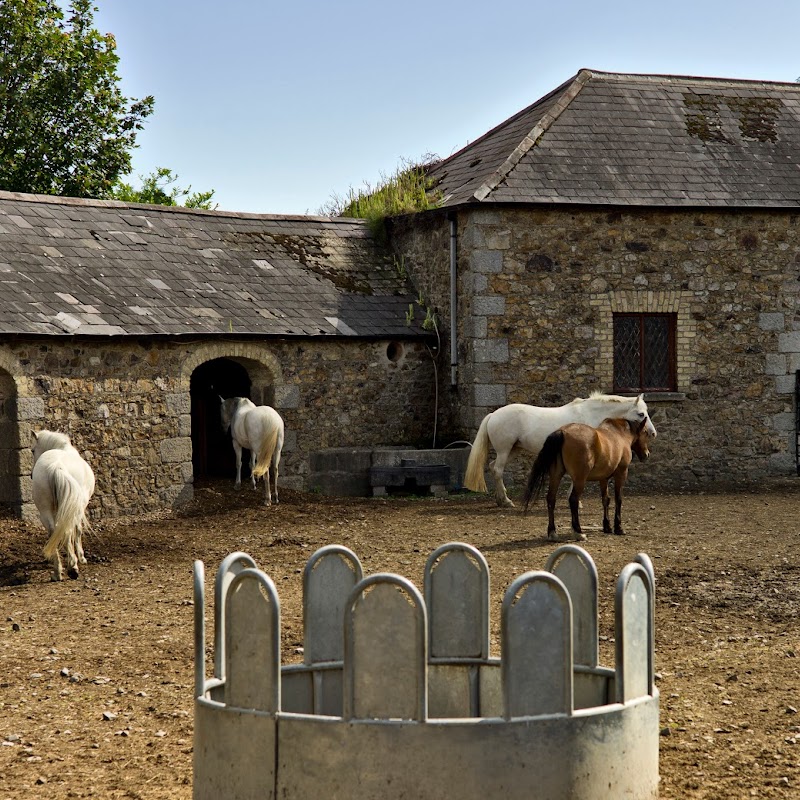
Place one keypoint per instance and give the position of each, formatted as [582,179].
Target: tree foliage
[159,188]
[65,127]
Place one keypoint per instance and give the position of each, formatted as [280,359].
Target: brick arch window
[644,352]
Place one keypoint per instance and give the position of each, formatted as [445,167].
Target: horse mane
[53,440]
[609,398]
[603,397]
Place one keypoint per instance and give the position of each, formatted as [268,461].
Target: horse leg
[267,497]
[238,450]
[619,482]
[497,468]
[606,504]
[55,557]
[79,543]
[252,468]
[574,506]
[79,548]
[569,490]
[72,558]
[552,493]
[274,473]
[58,571]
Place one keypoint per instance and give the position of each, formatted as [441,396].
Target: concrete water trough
[377,471]
[398,695]
[408,474]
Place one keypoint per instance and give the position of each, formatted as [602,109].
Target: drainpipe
[453,307]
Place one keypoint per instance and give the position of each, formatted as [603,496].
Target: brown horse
[587,454]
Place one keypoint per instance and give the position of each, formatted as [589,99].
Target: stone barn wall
[128,409]
[536,292]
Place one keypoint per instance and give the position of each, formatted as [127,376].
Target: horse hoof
[73,573]
[55,578]
[580,537]
[619,532]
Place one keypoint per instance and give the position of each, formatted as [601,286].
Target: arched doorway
[10,497]
[212,452]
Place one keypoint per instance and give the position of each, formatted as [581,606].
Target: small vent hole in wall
[394,351]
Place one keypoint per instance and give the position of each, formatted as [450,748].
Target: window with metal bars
[644,353]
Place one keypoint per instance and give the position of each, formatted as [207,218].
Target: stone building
[625,233]
[629,233]
[121,325]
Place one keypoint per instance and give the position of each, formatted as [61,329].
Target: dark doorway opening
[10,489]
[212,451]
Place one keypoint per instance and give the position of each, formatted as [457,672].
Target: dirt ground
[96,674]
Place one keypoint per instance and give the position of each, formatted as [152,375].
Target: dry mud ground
[96,674]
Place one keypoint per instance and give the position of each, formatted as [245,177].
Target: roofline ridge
[656,76]
[504,123]
[92,202]
[572,91]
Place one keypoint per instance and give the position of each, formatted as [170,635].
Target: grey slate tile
[139,270]
[648,128]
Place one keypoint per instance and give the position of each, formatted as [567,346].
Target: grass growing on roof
[408,190]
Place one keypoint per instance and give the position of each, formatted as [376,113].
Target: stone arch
[227,370]
[260,357]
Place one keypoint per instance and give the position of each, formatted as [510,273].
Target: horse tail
[474,479]
[264,457]
[69,501]
[548,455]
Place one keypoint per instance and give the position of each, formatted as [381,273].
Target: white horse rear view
[63,484]
[523,427]
[258,429]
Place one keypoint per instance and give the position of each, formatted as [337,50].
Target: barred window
[644,353]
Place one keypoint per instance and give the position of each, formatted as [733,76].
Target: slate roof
[644,140]
[105,268]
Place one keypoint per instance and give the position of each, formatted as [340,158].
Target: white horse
[522,427]
[258,429]
[63,484]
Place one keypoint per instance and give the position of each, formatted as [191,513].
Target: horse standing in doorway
[63,484]
[587,454]
[258,429]
[522,427]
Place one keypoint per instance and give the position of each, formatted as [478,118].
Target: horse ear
[221,398]
[35,435]
[640,398]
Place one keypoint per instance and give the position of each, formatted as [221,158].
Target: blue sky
[280,106]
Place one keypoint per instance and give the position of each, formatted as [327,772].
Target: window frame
[672,319]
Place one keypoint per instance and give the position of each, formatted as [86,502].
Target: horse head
[226,411]
[639,445]
[638,413]
[48,440]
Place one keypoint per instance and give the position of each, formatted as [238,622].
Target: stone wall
[127,407]
[537,290]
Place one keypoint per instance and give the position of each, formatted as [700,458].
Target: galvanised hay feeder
[399,697]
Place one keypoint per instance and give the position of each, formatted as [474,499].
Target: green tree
[65,127]
[159,189]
